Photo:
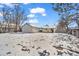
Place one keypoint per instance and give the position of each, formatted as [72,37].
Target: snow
[38,44]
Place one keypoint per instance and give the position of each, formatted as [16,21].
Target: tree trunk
[78,30]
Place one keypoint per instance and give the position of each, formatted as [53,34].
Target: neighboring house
[27,28]
[75,32]
[8,28]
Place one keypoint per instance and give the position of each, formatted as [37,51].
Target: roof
[74,28]
[38,26]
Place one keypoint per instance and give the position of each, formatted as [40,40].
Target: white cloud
[31,15]
[33,21]
[44,14]
[26,3]
[39,10]
[1,14]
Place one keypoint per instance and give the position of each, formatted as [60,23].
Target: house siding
[28,28]
[75,32]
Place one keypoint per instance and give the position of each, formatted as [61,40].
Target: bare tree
[15,15]
[20,16]
[0,27]
[64,10]
[6,16]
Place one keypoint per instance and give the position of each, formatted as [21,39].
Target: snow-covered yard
[38,44]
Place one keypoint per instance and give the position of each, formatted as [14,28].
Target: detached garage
[27,28]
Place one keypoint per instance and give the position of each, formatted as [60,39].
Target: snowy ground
[38,44]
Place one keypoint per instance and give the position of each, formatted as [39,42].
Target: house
[46,30]
[75,32]
[27,28]
[4,28]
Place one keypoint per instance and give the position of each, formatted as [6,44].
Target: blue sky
[50,17]
[40,13]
